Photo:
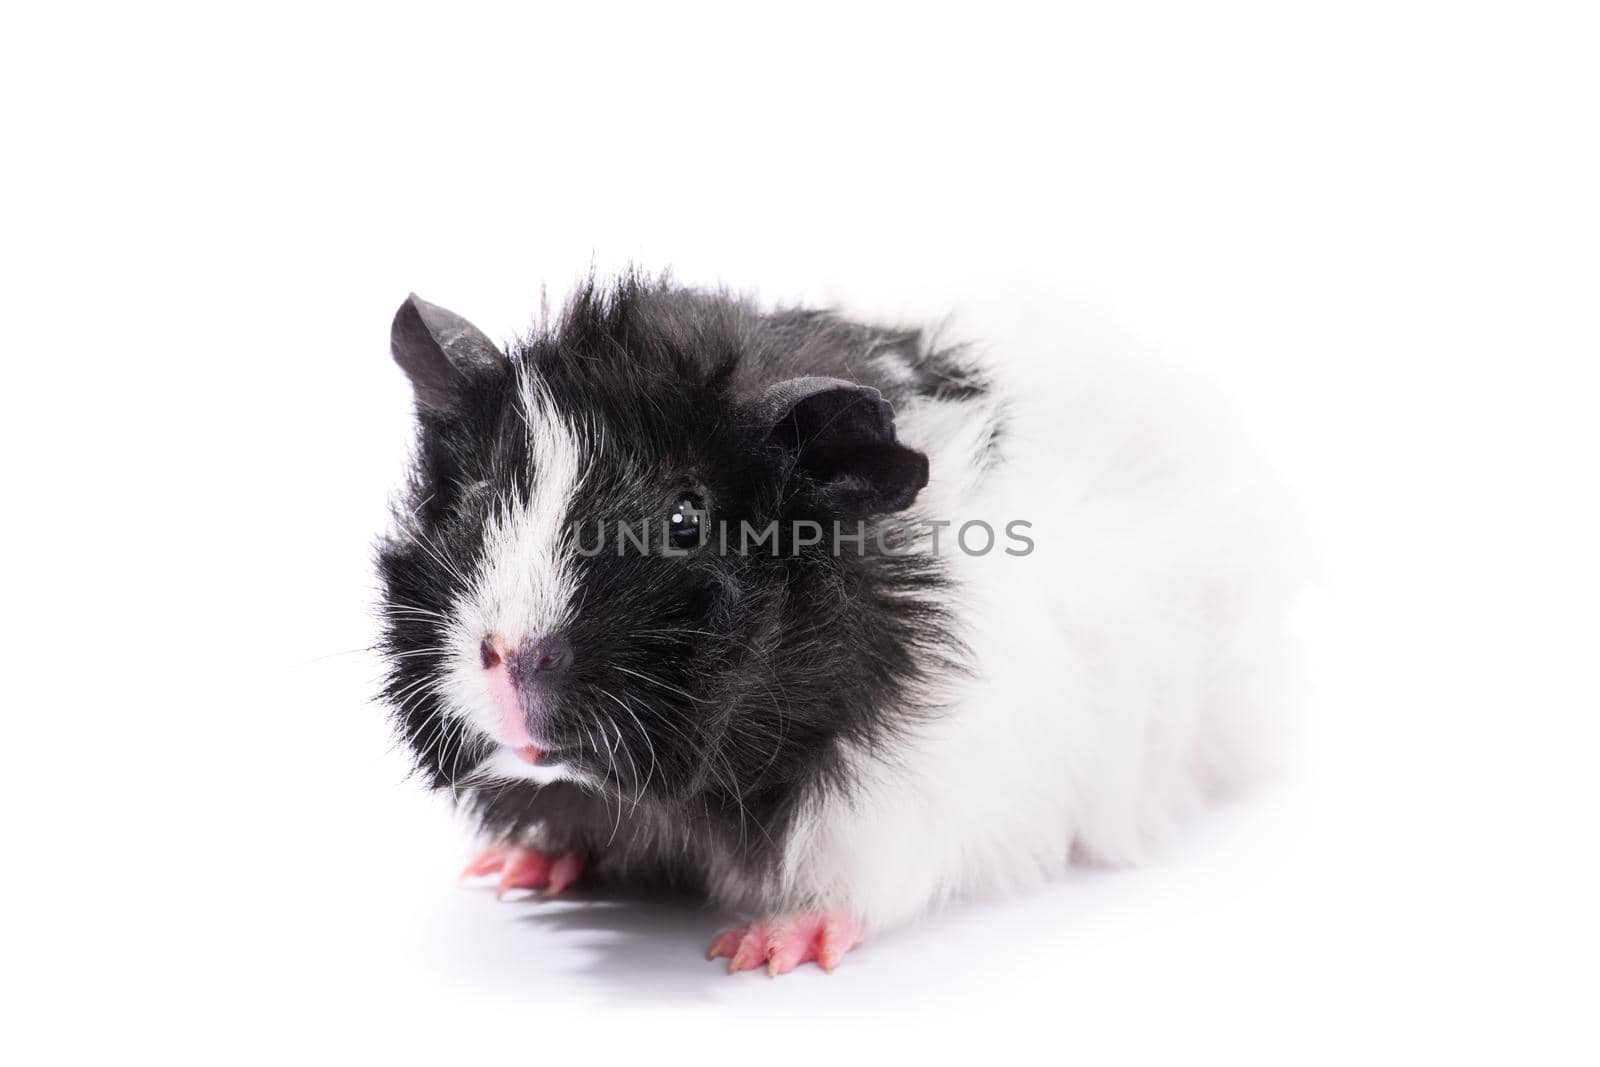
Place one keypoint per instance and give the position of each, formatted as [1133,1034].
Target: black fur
[740,672]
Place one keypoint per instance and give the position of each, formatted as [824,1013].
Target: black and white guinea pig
[821,619]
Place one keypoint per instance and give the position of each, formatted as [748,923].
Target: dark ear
[437,348]
[842,436]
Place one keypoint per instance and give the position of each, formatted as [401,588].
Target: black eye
[686,525]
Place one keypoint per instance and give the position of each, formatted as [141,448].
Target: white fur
[505,764]
[525,583]
[1127,668]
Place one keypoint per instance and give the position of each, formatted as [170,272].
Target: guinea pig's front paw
[787,941]
[526,868]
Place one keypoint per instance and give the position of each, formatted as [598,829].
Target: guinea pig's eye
[686,525]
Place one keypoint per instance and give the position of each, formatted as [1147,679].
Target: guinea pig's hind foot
[787,941]
[526,868]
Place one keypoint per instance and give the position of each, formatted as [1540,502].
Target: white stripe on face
[525,582]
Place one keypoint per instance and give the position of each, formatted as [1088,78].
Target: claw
[725,945]
[838,936]
[752,949]
[524,869]
[564,871]
[486,862]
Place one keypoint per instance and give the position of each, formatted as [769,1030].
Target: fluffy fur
[803,730]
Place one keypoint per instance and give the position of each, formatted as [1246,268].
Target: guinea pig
[829,622]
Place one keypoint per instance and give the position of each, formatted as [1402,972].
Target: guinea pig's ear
[842,436]
[437,349]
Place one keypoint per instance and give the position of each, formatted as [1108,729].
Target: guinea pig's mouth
[533,755]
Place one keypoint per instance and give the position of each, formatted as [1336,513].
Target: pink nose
[499,664]
[520,680]
[539,661]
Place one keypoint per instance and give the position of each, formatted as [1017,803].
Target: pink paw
[526,868]
[788,941]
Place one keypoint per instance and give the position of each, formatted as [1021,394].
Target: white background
[1373,225]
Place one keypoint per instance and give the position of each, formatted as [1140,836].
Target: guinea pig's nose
[543,659]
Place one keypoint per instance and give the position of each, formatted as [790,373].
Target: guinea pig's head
[604,571]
